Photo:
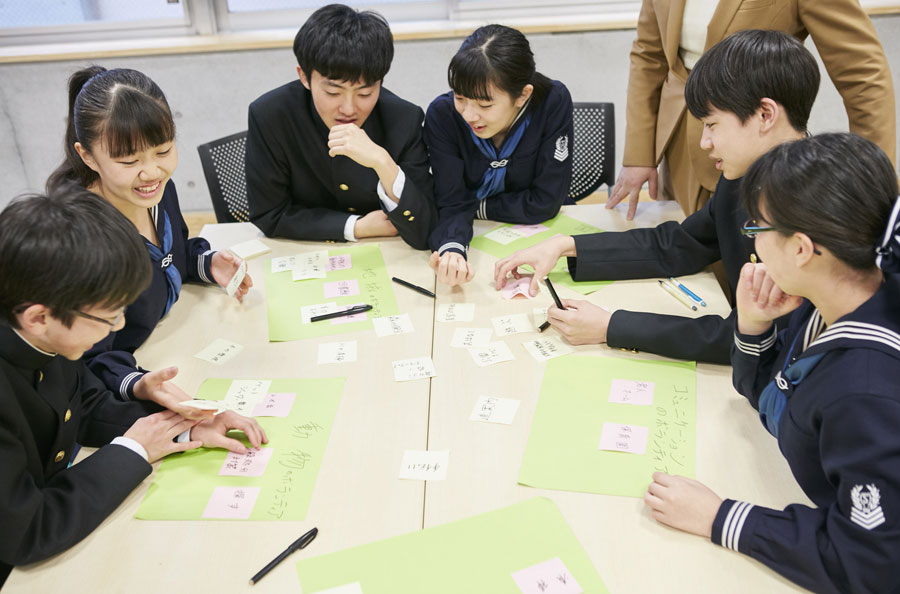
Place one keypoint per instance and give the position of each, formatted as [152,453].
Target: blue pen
[688,292]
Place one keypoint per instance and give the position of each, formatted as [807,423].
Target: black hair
[68,250]
[498,55]
[747,66]
[838,189]
[345,44]
[121,108]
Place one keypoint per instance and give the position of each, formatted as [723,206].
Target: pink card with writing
[343,288]
[253,463]
[623,438]
[549,577]
[275,405]
[341,262]
[231,503]
[529,230]
[517,286]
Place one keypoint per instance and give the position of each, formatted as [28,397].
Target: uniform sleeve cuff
[204,266]
[127,442]
[481,212]
[755,344]
[349,235]
[126,388]
[453,246]
[731,522]
[399,184]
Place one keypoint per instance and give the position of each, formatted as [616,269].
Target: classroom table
[358,497]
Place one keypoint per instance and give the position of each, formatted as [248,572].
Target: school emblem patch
[866,510]
[562,148]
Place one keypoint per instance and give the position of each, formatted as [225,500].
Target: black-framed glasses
[111,324]
[751,228]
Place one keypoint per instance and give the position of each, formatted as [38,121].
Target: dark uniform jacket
[839,433]
[538,174]
[296,190]
[112,359]
[47,405]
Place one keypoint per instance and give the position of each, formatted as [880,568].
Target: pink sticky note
[529,230]
[631,392]
[623,438]
[360,317]
[253,463]
[518,286]
[343,288]
[338,262]
[275,405]
[231,503]
[549,577]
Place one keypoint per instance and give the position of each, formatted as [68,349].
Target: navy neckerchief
[494,179]
[163,257]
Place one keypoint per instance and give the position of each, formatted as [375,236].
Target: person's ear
[303,78]
[525,95]
[86,157]
[803,249]
[34,319]
[769,112]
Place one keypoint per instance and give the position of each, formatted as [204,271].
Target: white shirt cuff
[348,228]
[184,436]
[398,186]
[132,445]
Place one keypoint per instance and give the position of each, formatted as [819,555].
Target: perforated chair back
[594,148]
[223,167]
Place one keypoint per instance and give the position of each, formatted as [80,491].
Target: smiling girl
[500,144]
[120,144]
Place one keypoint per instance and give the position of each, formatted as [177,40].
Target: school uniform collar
[20,352]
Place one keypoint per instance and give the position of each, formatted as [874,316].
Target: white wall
[209,94]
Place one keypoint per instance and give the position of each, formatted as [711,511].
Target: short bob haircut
[344,44]
[737,73]
[68,250]
[498,55]
[838,189]
[121,109]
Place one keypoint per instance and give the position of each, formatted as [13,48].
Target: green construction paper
[285,297]
[477,554]
[184,482]
[561,225]
[573,405]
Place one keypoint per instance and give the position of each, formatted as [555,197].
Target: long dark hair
[121,108]
[498,55]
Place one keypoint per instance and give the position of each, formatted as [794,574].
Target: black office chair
[223,167]
[594,148]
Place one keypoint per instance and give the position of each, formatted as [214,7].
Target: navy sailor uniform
[112,359]
[538,173]
[836,422]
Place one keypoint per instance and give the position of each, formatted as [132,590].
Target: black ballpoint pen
[556,300]
[295,546]
[339,314]
[408,284]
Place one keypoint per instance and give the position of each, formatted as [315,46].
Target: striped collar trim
[814,328]
[860,331]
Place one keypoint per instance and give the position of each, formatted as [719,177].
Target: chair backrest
[223,167]
[594,148]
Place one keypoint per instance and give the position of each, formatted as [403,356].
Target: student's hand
[760,301]
[541,257]
[629,183]
[155,386]
[374,224]
[352,141]
[581,322]
[224,265]
[451,268]
[682,503]
[155,433]
[212,432]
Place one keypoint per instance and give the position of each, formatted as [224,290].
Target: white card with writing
[413,369]
[544,349]
[319,309]
[220,351]
[455,312]
[284,263]
[204,405]
[250,249]
[231,503]
[465,338]
[337,352]
[390,325]
[495,352]
[310,265]
[243,395]
[623,438]
[424,465]
[512,324]
[504,235]
[631,392]
[539,315]
[491,409]
[253,463]
[354,588]
[237,279]
[549,577]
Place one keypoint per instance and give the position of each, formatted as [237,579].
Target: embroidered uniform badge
[562,148]
[866,510]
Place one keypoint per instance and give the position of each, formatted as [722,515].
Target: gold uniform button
[351,209]
[40,376]
[412,218]
[344,187]
[753,258]
[68,416]
[406,213]
[59,456]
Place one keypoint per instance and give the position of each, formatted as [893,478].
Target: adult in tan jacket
[658,125]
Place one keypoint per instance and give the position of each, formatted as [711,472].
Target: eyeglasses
[111,324]
[751,228]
